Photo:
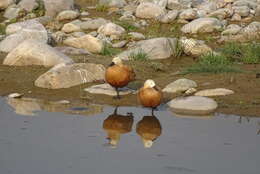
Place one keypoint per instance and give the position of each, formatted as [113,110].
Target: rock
[71,27]
[236,17]
[113,3]
[15,95]
[111,29]
[75,74]
[53,7]
[78,34]
[195,48]
[222,13]
[119,44]
[28,5]
[208,7]
[202,25]
[190,91]
[243,11]
[180,85]
[232,29]
[84,14]
[257,11]
[12,12]
[136,36]
[156,48]
[93,33]
[188,14]
[58,37]
[149,10]
[106,89]
[162,3]
[5,3]
[178,4]
[127,17]
[33,52]
[214,92]
[72,51]
[249,3]
[67,15]
[169,17]
[21,31]
[195,105]
[87,42]
[93,24]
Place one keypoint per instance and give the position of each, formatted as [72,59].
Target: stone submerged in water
[66,76]
[106,89]
[33,52]
[214,92]
[180,85]
[193,105]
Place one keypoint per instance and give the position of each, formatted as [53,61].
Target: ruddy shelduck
[150,95]
[119,75]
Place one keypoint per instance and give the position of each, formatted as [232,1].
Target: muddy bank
[245,101]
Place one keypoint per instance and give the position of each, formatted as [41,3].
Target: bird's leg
[117,94]
[153,110]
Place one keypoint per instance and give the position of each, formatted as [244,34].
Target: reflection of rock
[24,106]
[204,117]
[149,128]
[27,106]
[115,125]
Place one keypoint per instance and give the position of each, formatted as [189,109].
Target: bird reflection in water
[149,129]
[116,124]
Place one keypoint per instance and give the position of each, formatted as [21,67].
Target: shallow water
[72,142]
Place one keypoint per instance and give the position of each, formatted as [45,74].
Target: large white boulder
[33,52]
[66,76]
[21,31]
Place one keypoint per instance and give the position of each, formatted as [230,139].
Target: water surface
[71,142]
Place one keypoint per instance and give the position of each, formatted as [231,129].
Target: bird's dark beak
[112,64]
[156,88]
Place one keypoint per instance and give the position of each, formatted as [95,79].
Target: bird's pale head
[147,143]
[117,61]
[149,83]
